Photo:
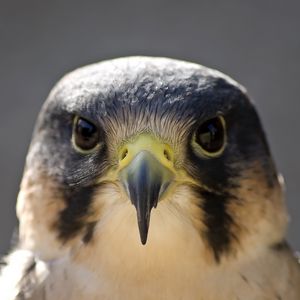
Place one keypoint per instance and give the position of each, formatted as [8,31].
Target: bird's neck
[174,264]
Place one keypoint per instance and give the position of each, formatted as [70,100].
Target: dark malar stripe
[73,218]
[217,220]
[89,232]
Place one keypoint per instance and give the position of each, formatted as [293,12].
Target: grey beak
[145,181]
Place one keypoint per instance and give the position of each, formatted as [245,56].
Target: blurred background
[256,42]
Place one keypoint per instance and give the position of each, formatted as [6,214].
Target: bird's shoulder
[21,276]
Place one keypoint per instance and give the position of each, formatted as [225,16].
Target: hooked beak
[145,180]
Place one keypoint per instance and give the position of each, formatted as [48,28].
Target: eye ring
[210,138]
[85,136]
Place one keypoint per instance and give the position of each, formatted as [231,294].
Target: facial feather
[168,100]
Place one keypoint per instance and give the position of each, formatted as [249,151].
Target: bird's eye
[85,135]
[210,137]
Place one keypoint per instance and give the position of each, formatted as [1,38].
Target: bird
[150,178]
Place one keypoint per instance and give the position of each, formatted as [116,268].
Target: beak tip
[144,242]
[143,236]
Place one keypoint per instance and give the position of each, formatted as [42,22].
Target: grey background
[256,42]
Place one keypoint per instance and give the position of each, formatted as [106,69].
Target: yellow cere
[163,152]
[146,142]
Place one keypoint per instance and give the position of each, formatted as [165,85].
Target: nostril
[167,155]
[124,153]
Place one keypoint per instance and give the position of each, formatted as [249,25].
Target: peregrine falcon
[150,178]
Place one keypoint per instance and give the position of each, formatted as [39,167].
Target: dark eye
[85,134]
[210,136]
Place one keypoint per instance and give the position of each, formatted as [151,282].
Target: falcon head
[149,153]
